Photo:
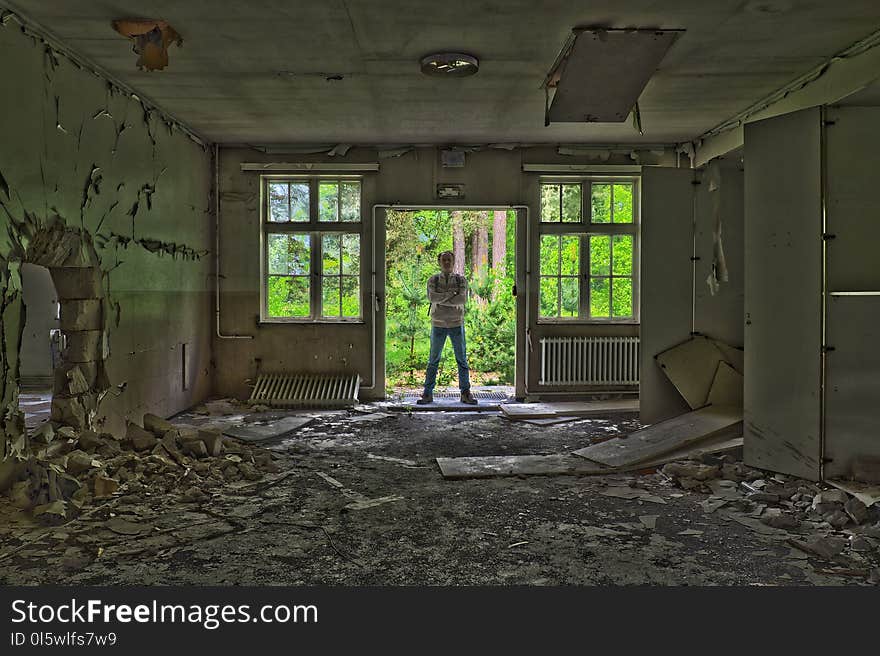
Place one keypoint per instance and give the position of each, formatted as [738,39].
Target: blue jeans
[438,341]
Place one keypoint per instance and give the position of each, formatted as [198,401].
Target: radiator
[589,361]
[306,390]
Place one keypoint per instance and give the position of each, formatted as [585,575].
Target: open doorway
[40,352]
[483,242]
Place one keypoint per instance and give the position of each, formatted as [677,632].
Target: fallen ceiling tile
[601,73]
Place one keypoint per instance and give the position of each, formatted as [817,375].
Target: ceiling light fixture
[450,64]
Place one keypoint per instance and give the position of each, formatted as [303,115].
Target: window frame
[585,229]
[315,229]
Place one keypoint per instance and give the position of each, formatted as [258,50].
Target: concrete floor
[297,530]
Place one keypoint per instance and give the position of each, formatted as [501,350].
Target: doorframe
[377,286]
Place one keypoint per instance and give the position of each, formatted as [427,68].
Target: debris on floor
[645,445]
[523,411]
[267,429]
[71,469]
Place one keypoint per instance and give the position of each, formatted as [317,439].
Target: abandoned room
[236,237]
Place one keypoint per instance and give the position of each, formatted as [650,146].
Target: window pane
[600,297]
[550,203]
[549,255]
[328,201]
[278,256]
[298,254]
[623,255]
[571,255]
[288,296]
[351,201]
[571,203]
[299,201]
[351,296]
[622,297]
[330,296]
[289,254]
[570,297]
[278,202]
[600,255]
[330,254]
[601,203]
[549,297]
[623,203]
[351,254]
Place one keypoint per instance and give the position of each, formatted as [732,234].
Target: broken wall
[114,199]
[491,176]
[41,303]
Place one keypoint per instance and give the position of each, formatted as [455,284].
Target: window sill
[588,322]
[309,322]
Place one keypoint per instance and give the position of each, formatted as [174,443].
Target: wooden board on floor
[727,388]
[691,366]
[566,463]
[495,466]
[549,421]
[568,409]
[256,432]
[667,436]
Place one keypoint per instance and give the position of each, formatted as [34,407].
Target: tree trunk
[458,242]
[499,249]
[480,251]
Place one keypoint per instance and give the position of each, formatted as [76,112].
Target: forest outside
[483,244]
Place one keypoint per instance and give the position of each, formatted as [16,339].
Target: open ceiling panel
[601,74]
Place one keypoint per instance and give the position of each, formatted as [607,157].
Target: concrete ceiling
[253,72]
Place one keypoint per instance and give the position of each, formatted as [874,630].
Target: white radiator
[589,361]
[306,390]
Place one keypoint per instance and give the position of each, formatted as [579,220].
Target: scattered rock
[692,470]
[856,510]
[837,519]
[80,461]
[140,439]
[782,520]
[830,496]
[105,487]
[156,425]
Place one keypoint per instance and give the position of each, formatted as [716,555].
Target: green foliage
[413,240]
[288,281]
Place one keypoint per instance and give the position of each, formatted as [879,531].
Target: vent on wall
[589,361]
[306,390]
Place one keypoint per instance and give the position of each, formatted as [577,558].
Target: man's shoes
[425,399]
[467,397]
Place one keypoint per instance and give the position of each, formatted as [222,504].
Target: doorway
[484,244]
[40,352]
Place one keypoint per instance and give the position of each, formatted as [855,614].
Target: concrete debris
[856,510]
[691,470]
[70,468]
[631,493]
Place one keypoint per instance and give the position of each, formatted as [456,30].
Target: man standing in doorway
[447,294]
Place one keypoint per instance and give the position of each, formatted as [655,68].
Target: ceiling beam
[842,75]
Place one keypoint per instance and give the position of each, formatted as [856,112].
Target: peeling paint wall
[115,200]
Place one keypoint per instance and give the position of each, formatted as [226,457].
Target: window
[311,249]
[587,261]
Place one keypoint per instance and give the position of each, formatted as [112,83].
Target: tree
[458,241]
[499,249]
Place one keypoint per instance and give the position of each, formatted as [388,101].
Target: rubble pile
[71,468]
[823,522]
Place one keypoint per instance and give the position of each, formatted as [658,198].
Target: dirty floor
[363,503]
